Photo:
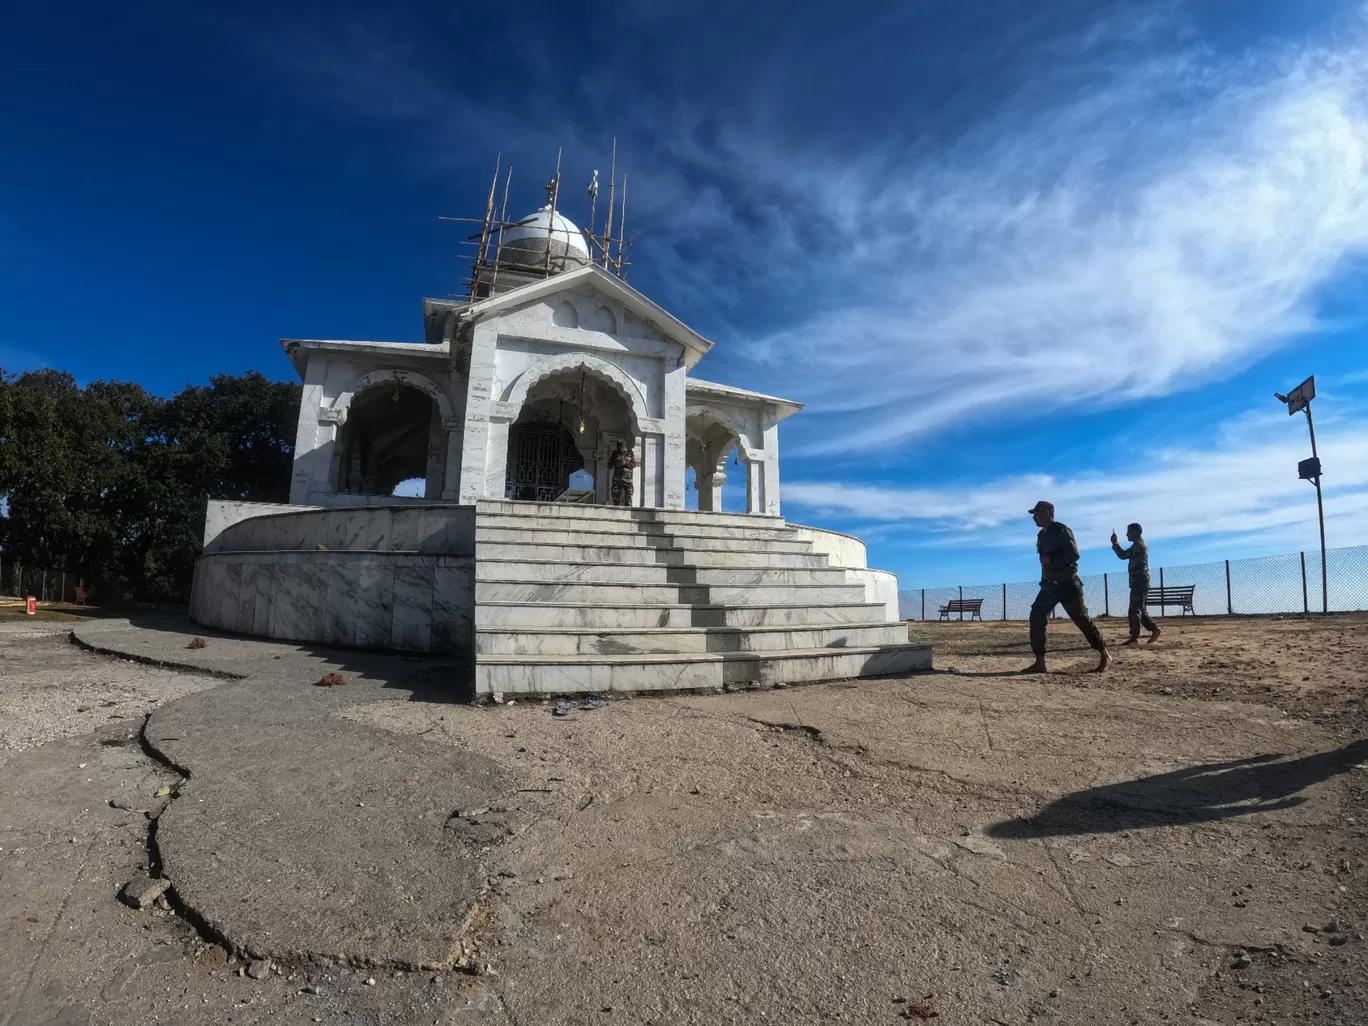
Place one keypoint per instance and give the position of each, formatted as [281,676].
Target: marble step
[589,641]
[595,593]
[651,573]
[524,674]
[622,554]
[565,511]
[722,539]
[508,522]
[639,614]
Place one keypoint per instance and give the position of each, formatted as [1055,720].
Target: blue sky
[1001,251]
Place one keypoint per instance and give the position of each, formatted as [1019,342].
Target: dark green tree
[110,482]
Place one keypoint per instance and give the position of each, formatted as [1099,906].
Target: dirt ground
[1309,667]
[64,693]
[1178,841]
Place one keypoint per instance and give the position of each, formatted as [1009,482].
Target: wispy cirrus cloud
[1131,244]
[1136,215]
[1244,488]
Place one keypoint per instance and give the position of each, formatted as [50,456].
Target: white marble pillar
[771,467]
[451,472]
[674,459]
[312,438]
[710,490]
[436,457]
[476,458]
[652,464]
[755,486]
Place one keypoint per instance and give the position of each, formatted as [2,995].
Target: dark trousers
[1137,614]
[1069,594]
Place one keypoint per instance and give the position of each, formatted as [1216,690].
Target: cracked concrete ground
[1151,846]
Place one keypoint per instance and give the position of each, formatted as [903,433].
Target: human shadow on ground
[1196,794]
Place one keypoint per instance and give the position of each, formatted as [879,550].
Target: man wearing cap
[1059,585]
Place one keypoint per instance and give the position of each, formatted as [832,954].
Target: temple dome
[525,245]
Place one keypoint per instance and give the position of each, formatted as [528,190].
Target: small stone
[162,903]
[1338,939]
[142,891]
[1308,928]
[370,982]
[1054,993]
[83,708]
[1334,926]
[1241,962]
[259,968]
[311,989]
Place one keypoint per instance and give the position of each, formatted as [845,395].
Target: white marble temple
[531,379]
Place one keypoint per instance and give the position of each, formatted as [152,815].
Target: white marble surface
[405,601]
[429,529]
[843,550]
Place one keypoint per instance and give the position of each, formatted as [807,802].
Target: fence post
[1004,600]
[1106,596]
[1306,603]
[1230,606]
[923,605]
[1162,611]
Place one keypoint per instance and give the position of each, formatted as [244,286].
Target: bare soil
[1178,841]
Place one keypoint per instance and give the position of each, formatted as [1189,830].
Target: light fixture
[581,404]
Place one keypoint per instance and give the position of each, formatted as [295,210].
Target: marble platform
[546,598]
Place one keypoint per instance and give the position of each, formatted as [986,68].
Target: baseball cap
[1041,507]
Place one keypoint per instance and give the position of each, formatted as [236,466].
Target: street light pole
[1299,399]
[1320,511]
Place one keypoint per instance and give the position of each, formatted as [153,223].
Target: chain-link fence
[1288,583]
[18,581]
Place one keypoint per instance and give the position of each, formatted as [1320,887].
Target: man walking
[1059,585]
[1138,558]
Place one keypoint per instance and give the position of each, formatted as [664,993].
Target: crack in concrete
[164,664]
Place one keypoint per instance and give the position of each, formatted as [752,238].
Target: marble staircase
[573,598]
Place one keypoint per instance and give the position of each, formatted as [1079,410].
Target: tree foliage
[110,481]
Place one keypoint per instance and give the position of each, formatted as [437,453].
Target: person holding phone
[1138,558]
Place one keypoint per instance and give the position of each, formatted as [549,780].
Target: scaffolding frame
[606,250]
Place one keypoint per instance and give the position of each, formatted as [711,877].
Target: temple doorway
[541,458]
[569,424]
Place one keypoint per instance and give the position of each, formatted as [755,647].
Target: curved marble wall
[388,577]
[848,552]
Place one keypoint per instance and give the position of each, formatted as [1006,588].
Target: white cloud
[1245,486]
[1163,231]
[1113,228]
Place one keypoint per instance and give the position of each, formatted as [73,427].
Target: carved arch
[413,379]
[552,365]
[732,422]
[564,315]
[602,319]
